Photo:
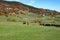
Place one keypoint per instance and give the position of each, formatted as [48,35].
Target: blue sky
[46,4]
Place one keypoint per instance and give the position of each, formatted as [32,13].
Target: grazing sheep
[50,25]
[26,22]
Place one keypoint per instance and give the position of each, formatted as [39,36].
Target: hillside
[16,6]
[17,11]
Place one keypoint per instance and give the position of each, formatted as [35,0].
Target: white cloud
[31,2]
[15,0]
[12,0]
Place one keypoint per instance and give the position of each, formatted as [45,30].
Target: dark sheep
[50,25]
[26,22]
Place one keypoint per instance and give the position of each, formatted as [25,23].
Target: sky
[45,4]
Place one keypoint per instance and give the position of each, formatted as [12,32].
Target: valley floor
[19,31]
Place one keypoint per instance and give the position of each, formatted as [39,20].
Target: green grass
[19,31]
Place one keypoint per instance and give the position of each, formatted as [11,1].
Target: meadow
[19,31]
[16,30]
[22,22]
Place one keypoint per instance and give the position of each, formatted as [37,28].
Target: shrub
[11,20]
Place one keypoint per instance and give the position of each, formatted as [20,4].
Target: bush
[11,20]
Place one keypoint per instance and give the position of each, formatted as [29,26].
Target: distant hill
[15,6]
[12,11]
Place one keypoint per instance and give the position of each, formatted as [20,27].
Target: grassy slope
[18,31]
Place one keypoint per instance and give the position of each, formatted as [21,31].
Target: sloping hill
[18,11]
[20,6]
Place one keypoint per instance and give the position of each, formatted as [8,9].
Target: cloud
[12,0]
[15,0]
[31,2]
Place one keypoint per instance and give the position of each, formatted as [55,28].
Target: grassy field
[19,31]
[16,30]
